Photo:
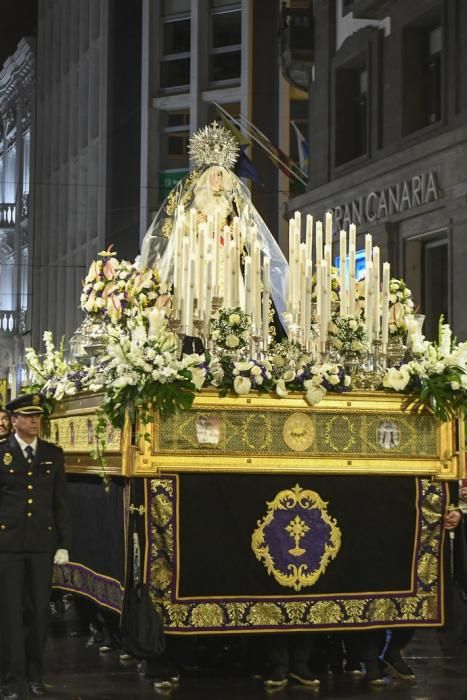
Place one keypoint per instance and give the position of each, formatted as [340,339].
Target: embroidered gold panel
[420,605]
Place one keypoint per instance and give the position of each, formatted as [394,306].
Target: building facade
[17,99]
[388,115]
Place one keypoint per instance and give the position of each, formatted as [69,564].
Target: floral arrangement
[438,375]
[286,356]
[117,290]
[231,329]
[347,334]
[401,306]
[142,370]
[242,376]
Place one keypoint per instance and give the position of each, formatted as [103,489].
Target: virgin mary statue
[213,189]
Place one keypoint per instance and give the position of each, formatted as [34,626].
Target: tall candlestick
[376,287]
[368,246]
[302,306]
[353,236]
[234,274]
[187,309]
[323,325]
[308,288]
[385,304]
[319,242]
[208,294]
[309,237]
[266,289]
[352,288]
[368,302]
[328,228]
[248,285]
[342,272]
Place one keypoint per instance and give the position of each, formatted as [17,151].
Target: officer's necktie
[29,453]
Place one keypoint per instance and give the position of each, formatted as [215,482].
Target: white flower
[198,376]
[315,395]
[234,319]
[353,325]
[255,371]
[259,380]
[242,385]
[281,389]
[397,378]
[455,386]
[232,341]
[333,379]
[289,375]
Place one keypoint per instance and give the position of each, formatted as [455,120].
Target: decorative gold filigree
[299,576]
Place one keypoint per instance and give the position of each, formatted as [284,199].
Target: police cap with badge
[26,405]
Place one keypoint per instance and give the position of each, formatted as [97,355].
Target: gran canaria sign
[378,205]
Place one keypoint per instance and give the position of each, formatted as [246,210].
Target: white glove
[61,557]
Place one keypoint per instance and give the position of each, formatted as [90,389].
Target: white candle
[187,310]
[342,275]
[376,297]
[227,274]
[385,304]
[291,259]
[248,288]
[308,287]
[209,291]
[193,215]
[328,228]
[353,236]
[266,288]
[302,304]
[200,271]
[234,274]
[257,287]
[309,237]
[319,242]
[324,302]
[369,302]
[368,246]
[352,288]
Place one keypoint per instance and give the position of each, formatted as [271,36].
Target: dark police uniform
[34,523]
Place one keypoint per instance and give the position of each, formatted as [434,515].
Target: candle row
[316,254]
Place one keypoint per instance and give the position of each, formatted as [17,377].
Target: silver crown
[213,145]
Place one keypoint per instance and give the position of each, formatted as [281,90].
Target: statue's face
[216,180]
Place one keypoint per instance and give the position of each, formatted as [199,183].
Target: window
[435,285]
[175,132]
[421,84]
[351,120]
[175,61]
[226,38]
[427,275]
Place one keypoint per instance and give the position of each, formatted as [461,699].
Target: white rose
[278,360]
[242,385]
[315,395]
[333,379]
[281,389]
[255,370]
[356,345]
[455,386]
[232,341]
[215,335]
[259,380]
[234,319]
[353,325]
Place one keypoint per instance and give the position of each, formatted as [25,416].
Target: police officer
[5,425]
[34,534]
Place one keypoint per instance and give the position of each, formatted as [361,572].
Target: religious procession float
[272,440]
